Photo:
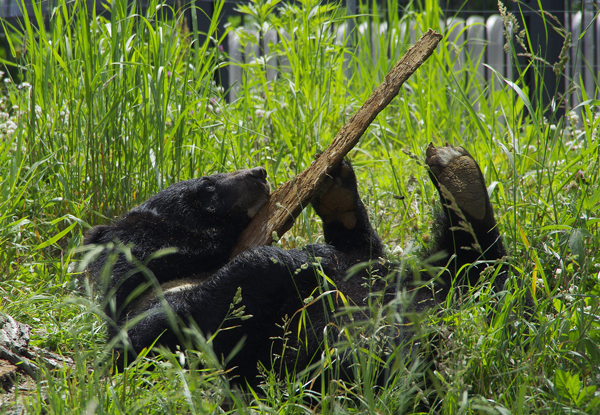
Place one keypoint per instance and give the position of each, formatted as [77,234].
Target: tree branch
[286,203]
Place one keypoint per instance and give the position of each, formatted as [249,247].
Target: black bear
[277,290]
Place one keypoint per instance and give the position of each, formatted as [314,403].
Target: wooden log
[286,203]
[16,350]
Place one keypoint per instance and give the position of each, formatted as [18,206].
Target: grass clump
[109,109]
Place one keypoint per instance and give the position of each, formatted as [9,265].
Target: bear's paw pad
[456,170]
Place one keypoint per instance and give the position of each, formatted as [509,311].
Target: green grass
[110,111]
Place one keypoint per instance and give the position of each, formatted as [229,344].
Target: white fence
[10,8]
[482,39]
[584,63]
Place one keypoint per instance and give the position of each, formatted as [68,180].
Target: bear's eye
[205,186]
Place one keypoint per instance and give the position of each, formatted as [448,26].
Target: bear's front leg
[468,227]
[346,224]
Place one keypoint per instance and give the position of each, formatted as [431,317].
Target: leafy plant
[110,108]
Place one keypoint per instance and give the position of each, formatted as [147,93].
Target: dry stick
[287,202]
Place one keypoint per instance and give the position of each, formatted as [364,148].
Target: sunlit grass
[111,110]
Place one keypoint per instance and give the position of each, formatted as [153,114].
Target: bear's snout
[258,173]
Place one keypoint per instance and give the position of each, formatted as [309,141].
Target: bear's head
[202,218]
[228,196]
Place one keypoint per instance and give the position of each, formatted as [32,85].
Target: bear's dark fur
[203,218]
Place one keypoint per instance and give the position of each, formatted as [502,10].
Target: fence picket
[475,48]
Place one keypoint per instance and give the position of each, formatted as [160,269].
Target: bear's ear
[96,234]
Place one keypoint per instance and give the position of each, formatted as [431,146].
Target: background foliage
[110,110]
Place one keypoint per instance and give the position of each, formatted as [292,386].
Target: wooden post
[286,203]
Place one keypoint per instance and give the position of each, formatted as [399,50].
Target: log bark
[286,203]
[16,350]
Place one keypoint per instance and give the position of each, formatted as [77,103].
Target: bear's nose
[258,172]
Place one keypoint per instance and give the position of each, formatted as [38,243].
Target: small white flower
[573,117]
[397,251]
